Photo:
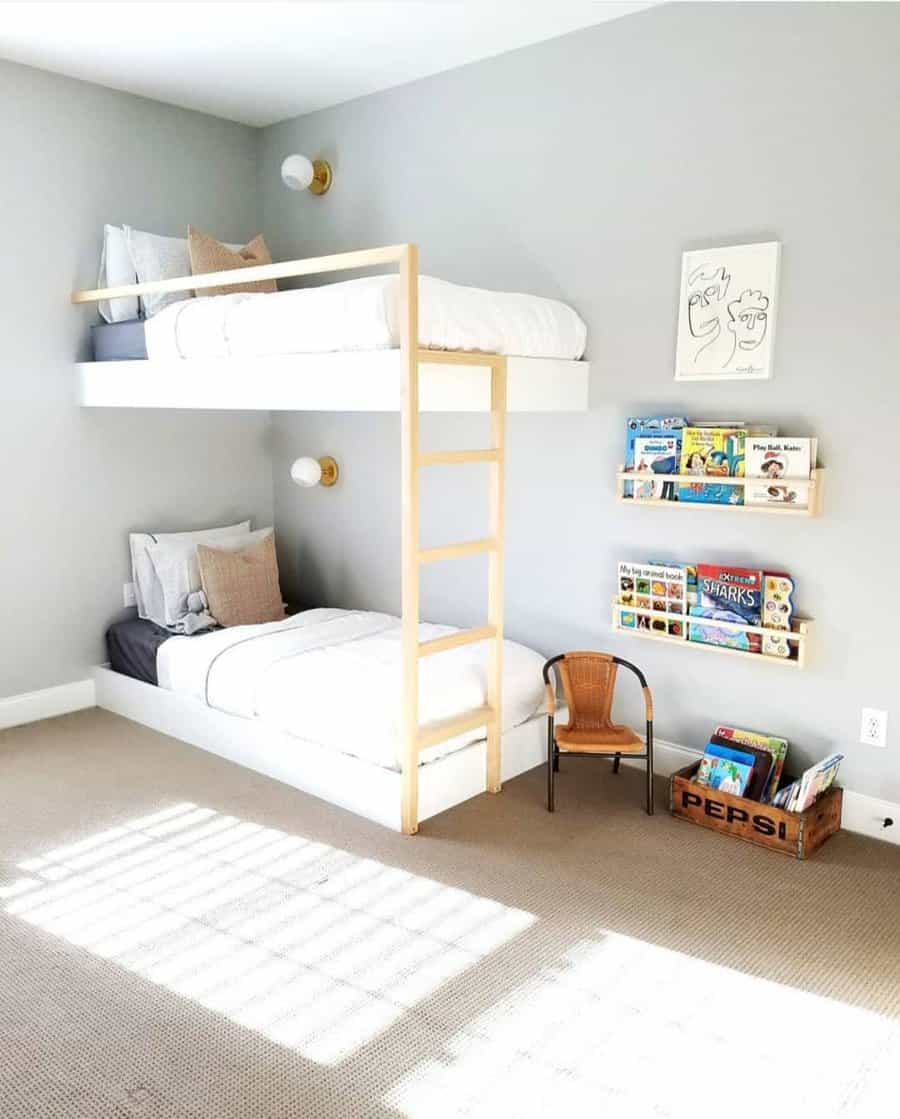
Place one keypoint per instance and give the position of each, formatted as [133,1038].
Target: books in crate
[747,764]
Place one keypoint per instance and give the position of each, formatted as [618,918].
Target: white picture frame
[727,310]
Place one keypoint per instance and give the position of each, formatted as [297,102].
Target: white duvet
[334,677]
[362,315]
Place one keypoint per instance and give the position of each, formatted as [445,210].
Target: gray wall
[74,482]
[582,168]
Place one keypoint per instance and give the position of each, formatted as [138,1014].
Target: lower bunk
[352,783]
[314,700]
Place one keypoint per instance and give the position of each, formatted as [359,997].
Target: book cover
[726,774]
[648,427]
[777,612]
[783,798]
[804,792]
[776,746]
[690,575]
[655,457]
[710,453]
[654,594]
[782,466]
[763,761]
[727,594]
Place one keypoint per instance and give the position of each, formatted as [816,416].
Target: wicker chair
[589,681]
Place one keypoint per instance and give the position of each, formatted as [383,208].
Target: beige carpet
[183,938]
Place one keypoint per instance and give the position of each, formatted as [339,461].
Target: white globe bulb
[297,172]
[306,472]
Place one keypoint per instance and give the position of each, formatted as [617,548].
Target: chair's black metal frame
[553,750]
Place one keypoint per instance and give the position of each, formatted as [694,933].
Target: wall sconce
[300,173]
[308,472]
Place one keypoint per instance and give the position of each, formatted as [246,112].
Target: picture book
[711,453]
[778,609]
[655,457]
[763,762]
[760,492]
[777,747]
[726,770]
[727,594]
[805,791]
[654,594]
[782,468]
[690,578]
[649,427]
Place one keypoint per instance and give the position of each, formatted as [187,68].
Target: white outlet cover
[128,595]
[873,730]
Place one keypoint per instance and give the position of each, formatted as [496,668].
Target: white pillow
[178,570]
[148,592]
[158,258]
[116,270]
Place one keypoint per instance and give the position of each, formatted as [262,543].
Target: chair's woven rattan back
[589,681]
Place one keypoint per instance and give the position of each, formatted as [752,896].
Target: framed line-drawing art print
[726,313]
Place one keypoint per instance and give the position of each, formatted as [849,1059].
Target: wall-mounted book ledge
[676,630]
[637,488]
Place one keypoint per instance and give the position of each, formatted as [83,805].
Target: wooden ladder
[416,737]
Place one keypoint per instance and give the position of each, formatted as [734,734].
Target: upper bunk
[341,347]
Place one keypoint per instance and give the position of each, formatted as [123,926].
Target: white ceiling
[266,61]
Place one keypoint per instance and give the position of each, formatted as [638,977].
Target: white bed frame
[359,786]
[407,379]
[367,381]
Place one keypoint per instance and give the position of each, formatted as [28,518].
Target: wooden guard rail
[415,737]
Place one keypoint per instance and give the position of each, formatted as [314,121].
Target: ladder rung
[455,551]
[455,640]
[457,357]
[433,733]
[453,458]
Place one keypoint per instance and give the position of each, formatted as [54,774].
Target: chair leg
[649,768]
[551,765]
[616,761]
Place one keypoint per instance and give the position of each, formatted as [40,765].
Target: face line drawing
[707,288]
[748,322]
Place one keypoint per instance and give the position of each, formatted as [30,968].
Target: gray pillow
[178,570]
[158,258]
[148,592]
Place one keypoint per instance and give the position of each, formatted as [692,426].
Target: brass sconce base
[321,177]
[330,470]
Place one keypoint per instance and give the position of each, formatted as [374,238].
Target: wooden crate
[794,833]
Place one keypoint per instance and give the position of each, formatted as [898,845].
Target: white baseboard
[860,813]
[866,815]
[29,707]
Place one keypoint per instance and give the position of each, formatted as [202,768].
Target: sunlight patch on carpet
[625,1029]
[313,947]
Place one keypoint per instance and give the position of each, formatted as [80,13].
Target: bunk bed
[408,379]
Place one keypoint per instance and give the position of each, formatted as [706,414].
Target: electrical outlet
[873,731]
[128,595]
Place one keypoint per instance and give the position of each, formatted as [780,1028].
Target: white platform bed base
[359,786]
[368,381]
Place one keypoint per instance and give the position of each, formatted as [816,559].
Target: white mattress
[362,315]
[334,677]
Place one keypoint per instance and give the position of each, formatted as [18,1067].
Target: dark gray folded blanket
[132,646]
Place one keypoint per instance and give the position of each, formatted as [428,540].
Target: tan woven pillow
[242,587]
[210,255]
